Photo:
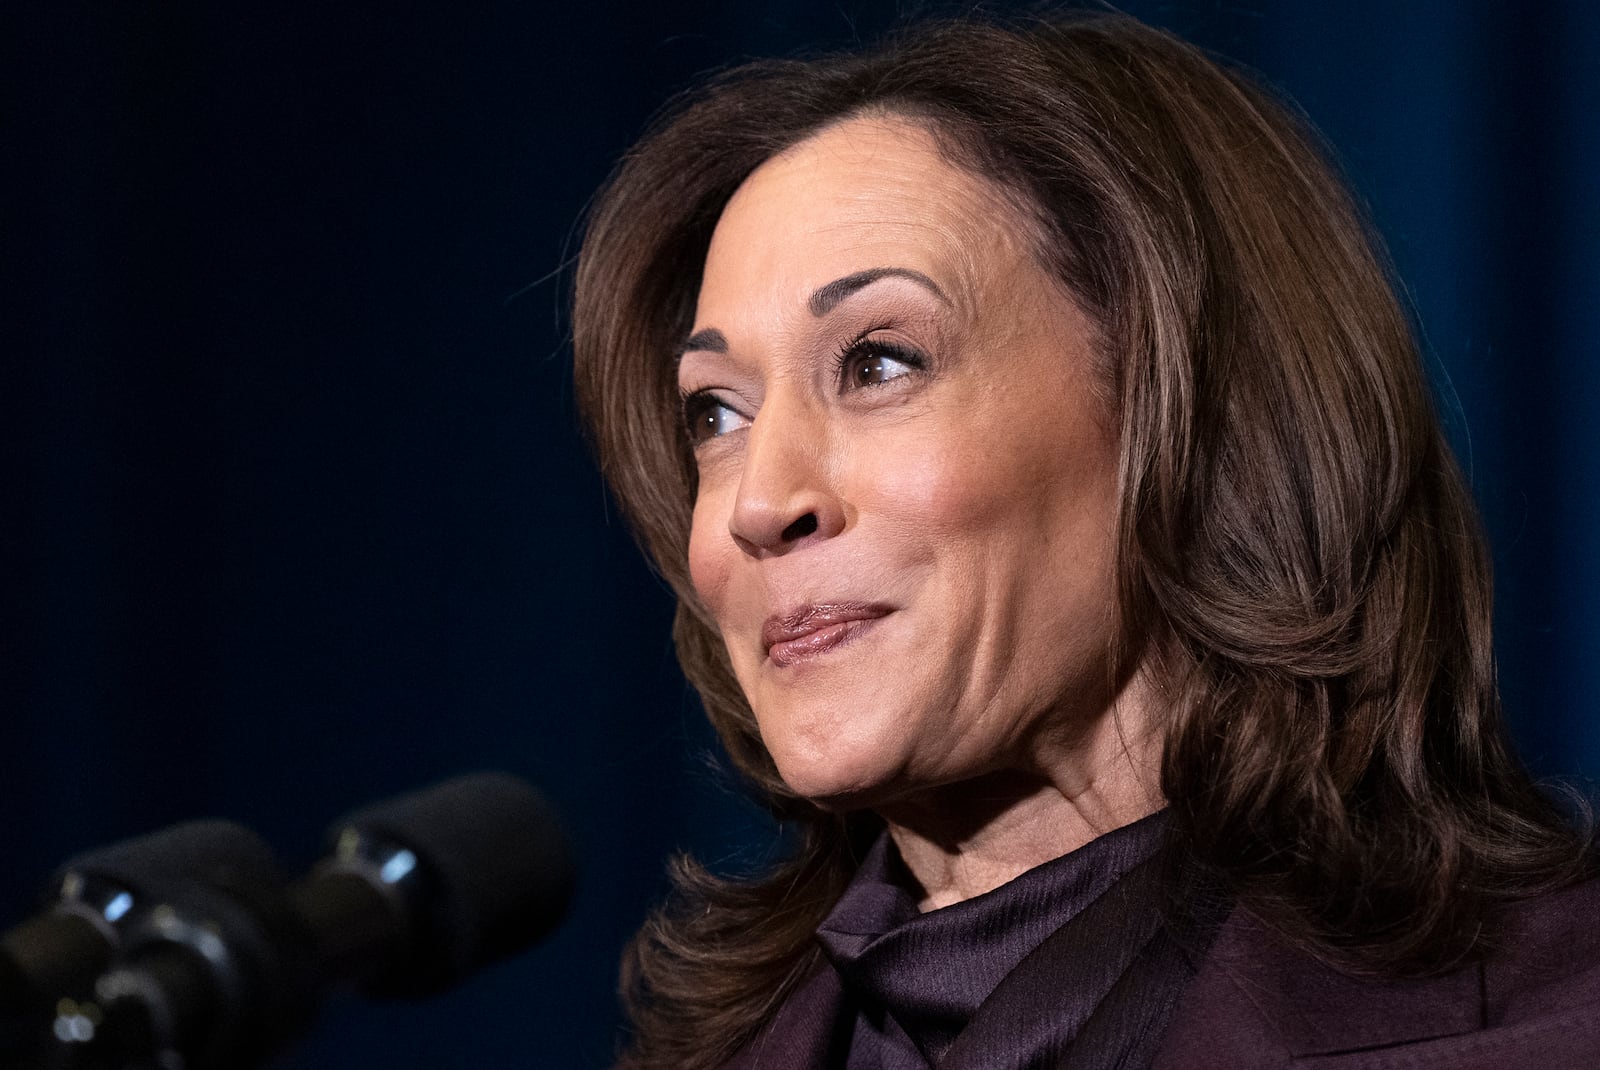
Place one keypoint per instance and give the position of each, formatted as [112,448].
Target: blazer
[1256,1003]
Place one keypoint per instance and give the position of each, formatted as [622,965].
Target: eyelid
[865,345]
[693,404]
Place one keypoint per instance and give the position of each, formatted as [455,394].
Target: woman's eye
[705,417]
[873,363]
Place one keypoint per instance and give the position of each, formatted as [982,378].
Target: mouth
[811,631]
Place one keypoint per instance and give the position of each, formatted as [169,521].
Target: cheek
[1027,505]
[942,485]
[709,546]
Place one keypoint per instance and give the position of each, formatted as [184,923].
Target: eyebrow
[826,297]
[709,340]
[822,301]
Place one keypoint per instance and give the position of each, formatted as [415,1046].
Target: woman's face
[907,483]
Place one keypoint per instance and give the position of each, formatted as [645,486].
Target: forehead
[864,193]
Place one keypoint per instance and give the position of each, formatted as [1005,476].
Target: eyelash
[694,405]
[863,346]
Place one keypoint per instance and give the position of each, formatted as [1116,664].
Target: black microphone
[95,904]
[415,894]
[420,891]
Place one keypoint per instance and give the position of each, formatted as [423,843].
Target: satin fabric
[1078,963]
[1248,1000]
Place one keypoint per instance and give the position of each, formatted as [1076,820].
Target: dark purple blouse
[1072,963]
[1145,972]
[916,979]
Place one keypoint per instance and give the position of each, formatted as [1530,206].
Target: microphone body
[470,870]
[414,894]
[101,902]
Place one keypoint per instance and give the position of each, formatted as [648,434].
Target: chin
[838,744]
[832,781]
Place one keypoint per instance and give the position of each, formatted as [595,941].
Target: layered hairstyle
[1297,556]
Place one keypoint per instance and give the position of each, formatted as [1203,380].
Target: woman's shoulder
[1258,1002]
[1549,957]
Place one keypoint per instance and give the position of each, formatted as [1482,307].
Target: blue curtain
[296,513]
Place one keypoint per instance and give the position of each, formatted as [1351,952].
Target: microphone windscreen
[497,871]
[213,853]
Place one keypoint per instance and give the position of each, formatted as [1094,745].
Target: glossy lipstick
[813,630]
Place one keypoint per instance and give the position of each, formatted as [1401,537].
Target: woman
[1067,551]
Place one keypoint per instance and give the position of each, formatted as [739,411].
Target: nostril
[800,528]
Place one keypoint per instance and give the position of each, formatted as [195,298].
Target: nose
[788,494]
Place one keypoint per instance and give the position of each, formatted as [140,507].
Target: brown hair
[1297,554]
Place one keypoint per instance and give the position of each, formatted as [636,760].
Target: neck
[962,840]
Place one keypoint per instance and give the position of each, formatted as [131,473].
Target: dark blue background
[296,512]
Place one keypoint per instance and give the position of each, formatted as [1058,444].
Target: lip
[812,630]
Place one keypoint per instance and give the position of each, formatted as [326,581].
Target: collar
[919,978]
